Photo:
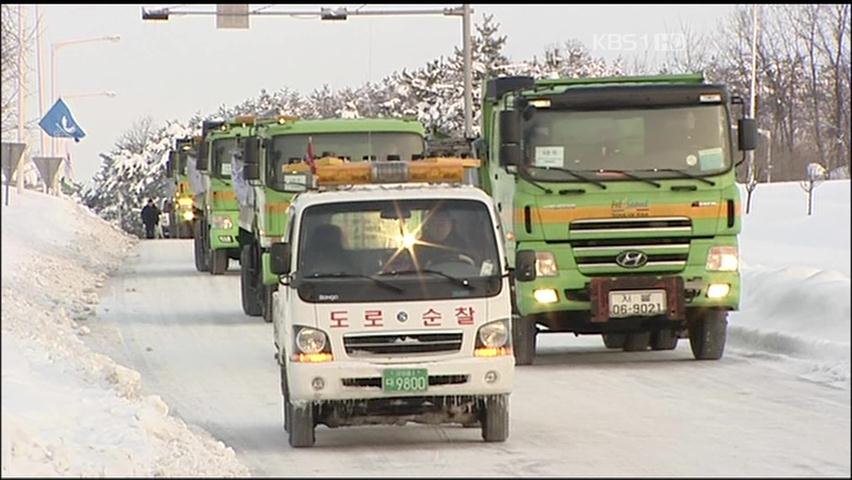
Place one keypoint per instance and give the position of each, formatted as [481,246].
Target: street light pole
[752,105]
[468,80]
[54,47]
[108,93]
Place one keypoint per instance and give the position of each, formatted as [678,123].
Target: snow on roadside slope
[66,410]
[795,280]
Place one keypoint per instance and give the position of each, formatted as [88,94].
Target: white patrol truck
[394,303]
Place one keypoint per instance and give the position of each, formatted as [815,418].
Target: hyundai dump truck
[266,187]
[182,212]
[620,206]
[394,304]
[216,227]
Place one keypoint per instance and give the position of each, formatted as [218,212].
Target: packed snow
[66,410]
[795,280]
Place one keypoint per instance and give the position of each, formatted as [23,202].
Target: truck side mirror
[510,126]
[251,148]
[251,171]
[747,134]
[525,265]
[279,258]
[510,154]
[170,165]
[201,161]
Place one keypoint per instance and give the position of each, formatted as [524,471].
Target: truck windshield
[429,248]
[693,139]
[355,147]
[223,153]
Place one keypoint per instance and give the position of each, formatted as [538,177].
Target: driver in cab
[440,242]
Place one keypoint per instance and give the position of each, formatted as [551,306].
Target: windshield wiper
[356,275]
[630,175]
[682,173]
[524,172]
[461,281]
[576,175]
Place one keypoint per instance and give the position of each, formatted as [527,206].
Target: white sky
[169,70]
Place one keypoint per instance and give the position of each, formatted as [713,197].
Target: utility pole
[21,86]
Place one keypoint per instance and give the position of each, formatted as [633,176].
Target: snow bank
[796,286]
[66,410]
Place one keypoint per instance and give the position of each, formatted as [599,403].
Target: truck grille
[632,225]
[664,240]
[402,343]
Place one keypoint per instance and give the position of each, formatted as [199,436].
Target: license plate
[642,303]
[405,380]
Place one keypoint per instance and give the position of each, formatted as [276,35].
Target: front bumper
[573,290]
[301,378]
[225,237]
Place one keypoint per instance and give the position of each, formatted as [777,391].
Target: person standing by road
[150,217]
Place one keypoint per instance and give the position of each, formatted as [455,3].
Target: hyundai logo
[631,259]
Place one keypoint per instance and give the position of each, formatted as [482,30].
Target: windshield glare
[693,139]
[355,147]
[389,238]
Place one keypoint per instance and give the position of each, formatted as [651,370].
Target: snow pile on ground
[796,287]
[66,410]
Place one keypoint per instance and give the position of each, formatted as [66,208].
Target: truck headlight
[545,264]
[221,221]
[311,346]
[188,215]
[722,259]
[492,339]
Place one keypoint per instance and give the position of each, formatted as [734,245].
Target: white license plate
[641,303]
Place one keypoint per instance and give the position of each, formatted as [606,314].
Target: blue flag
[58,122]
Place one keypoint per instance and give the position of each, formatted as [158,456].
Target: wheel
[266,302]
[636,341]
[663,339]
[494,417]
[218,261]
[199,250]
[524,334]
[300,424]
[613,340]
[248,283]
[707,333]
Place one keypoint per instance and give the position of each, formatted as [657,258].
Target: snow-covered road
[580,410]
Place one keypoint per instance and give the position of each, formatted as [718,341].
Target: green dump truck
[620,207]
[216,227]
[182,208]
[273,171]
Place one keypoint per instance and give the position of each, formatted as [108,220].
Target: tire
[524,334]
[199,250]
[266,302]
[613,340]
[300,425]
[636,341]
[707,333]
[248,283]
[494,417]
[663,339]
[218,261]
